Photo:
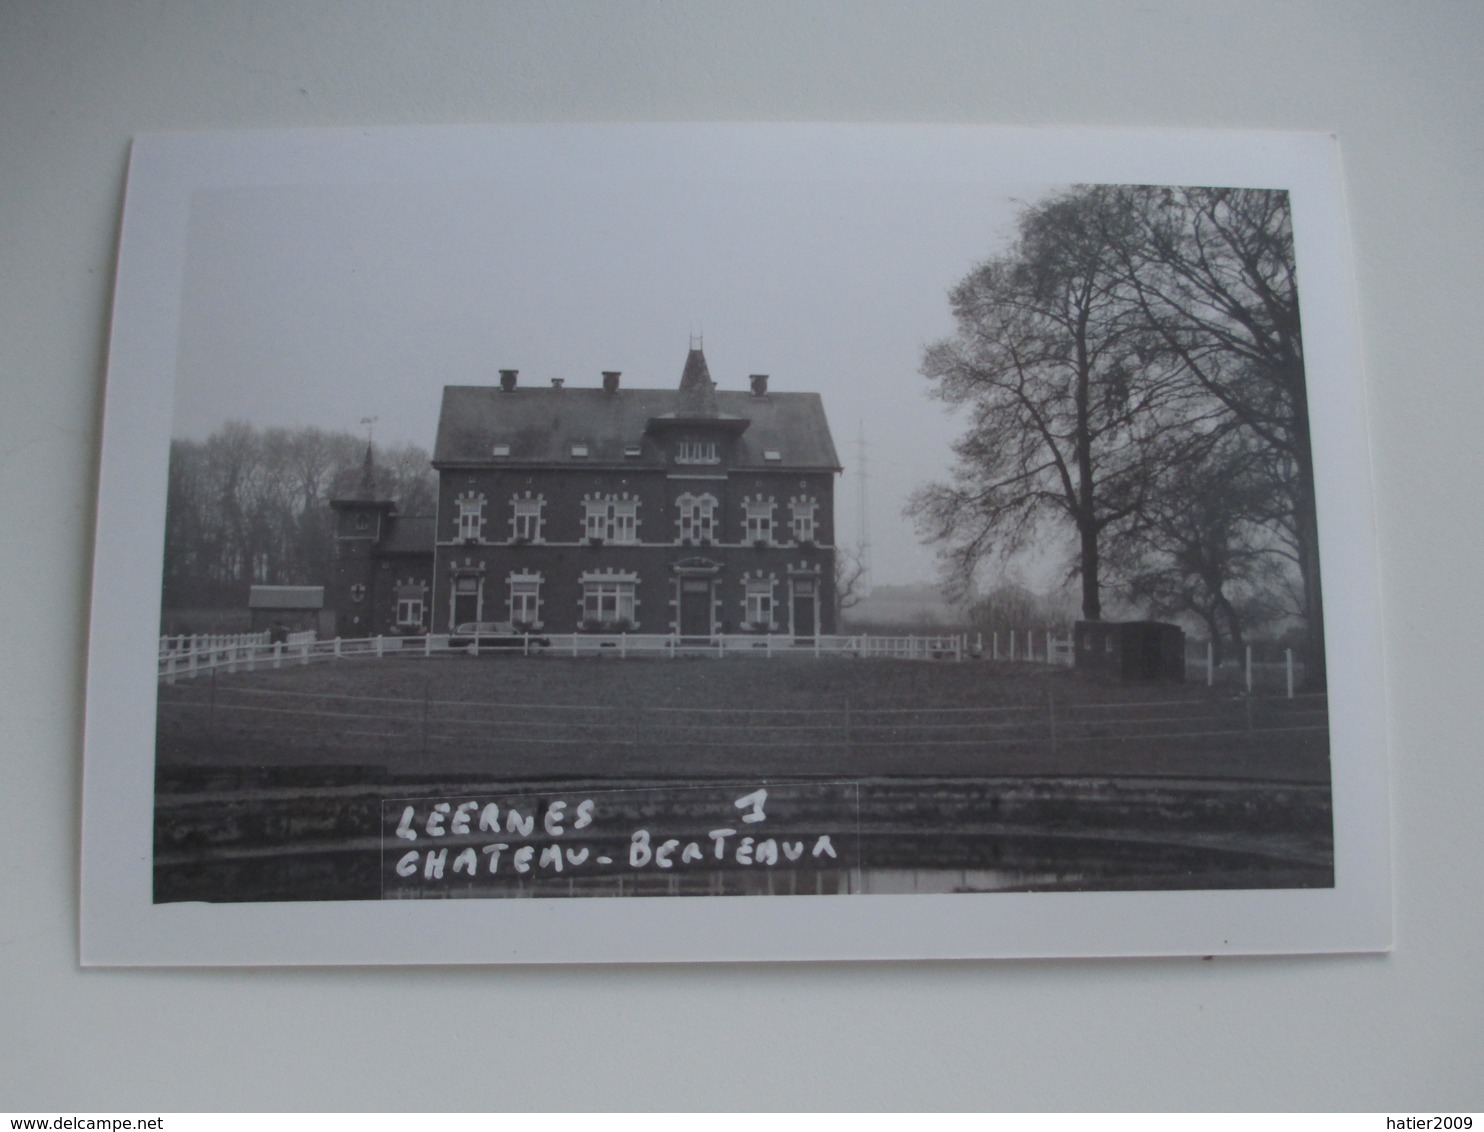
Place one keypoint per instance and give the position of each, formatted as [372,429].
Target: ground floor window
[608,603]
[525,601]
[410,611]
[760,602]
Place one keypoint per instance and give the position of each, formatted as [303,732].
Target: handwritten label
[777,839]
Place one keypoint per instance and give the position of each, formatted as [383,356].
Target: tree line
[1132,371]
[252,506]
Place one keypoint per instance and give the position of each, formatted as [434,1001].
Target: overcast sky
[325,304]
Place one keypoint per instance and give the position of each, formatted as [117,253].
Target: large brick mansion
[689,510]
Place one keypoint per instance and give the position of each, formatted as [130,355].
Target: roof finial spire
[368,465]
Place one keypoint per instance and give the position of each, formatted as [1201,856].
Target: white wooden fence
[185,656]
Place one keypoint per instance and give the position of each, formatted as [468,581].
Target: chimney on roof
[507,379]
[558,382]
[610,380]
[759,384]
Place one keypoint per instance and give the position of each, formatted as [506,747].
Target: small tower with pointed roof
[361,522]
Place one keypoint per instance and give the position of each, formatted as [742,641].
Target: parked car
[477,636]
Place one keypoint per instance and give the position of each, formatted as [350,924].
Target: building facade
[687,510]
[690,510]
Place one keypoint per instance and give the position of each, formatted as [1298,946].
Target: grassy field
[699,718]
[280,784]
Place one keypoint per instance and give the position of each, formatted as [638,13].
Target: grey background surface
[1398,84]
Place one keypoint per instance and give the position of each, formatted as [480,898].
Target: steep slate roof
[542,424]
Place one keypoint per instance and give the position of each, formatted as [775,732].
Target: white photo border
[121,926]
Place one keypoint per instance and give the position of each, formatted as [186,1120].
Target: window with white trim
[697,452]
[608,602]
[759,520]
[803,519]
[471,516]
[613,520]
[525,522]
[410,611]
[697,517]
[760,602]
[525,600]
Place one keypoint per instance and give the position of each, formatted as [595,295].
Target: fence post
[277,654]
[428,644]
[623,646]
[337,647]
[427,684]
[170,668]
[191,661]
[1288,656]
[232,657]
[304,652]
[378,644]
[1249,668]
[1210,663]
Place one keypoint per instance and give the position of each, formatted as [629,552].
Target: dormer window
[500,450]
[772,454]
[579,450]
[697,452]
[633,452]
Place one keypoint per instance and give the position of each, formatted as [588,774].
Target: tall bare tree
[1214,274]
[1071,402]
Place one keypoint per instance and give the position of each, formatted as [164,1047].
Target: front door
[465,601]
[803,611]
[695,607]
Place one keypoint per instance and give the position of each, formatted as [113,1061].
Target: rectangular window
[608,602]
[697,518]
[409,611]
[471,518]
[615,520]
[527,522]
[803,517]
[697,452]
[759,602]
[525,601]
[760,522]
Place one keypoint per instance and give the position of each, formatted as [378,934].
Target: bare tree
[1071,406]
[1214,274]
[1206,544]
[850,574]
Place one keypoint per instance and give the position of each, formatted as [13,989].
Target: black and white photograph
[926,522]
